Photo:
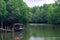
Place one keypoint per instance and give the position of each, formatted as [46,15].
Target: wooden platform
[6,29]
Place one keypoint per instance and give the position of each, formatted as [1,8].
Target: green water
[6,36]
[38,31]
[43,31]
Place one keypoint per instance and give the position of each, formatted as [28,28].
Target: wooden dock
[6,29]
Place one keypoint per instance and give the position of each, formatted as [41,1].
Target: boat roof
[18,24]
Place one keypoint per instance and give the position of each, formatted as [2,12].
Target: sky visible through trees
[13,11]
[32,3]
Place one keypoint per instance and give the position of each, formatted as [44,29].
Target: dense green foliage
[48,13]
[13,11]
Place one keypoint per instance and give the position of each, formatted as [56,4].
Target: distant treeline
[48,13]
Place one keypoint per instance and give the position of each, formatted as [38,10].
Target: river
[44,38]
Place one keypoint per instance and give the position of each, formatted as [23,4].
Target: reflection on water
[44,38]
[37,38]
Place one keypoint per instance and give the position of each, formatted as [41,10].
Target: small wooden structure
[17,26]
[10,32]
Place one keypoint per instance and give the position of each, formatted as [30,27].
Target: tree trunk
[1,30]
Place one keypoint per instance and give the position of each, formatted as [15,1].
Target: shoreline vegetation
[17,11]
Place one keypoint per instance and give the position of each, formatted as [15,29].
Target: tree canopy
[16,11]
[48,13]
